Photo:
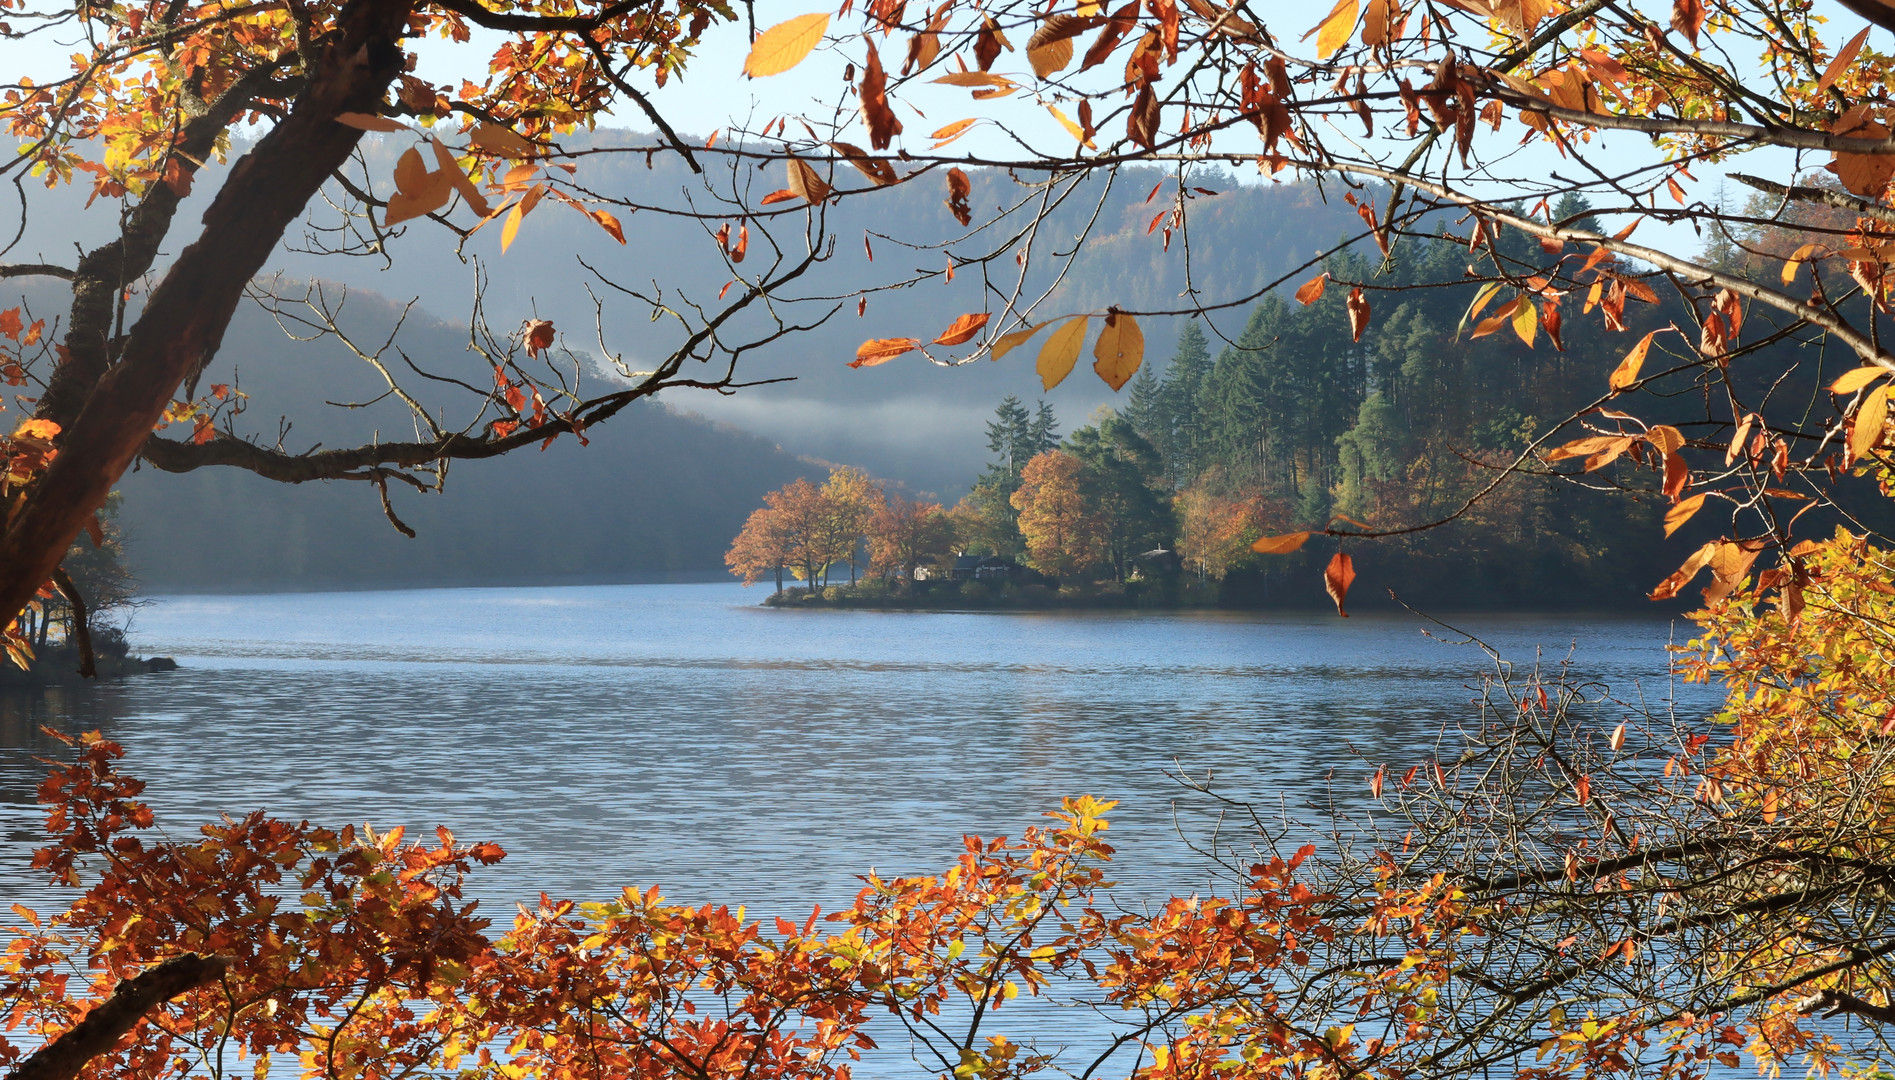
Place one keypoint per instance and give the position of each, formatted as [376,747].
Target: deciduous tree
[1062,532]
[905,533]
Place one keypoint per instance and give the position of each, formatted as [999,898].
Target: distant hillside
[659,494]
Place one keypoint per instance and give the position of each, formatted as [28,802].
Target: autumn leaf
[1796,260]
[539,336]
[959,188]
[882,350]
[951,132]
[1312,290]
[1061,352]
[785,45]
[877,170]
[805,183]
[1673,585]
[1871,417]
[1119,350]
[1333,32]
[430,194]
[1681,513]
[1857,379]
[1006,343]
[1358,313]
[1280,545]
[1050,48]
[1526,321]
[463,186]
[964,329]
[1840,63]
[882,122]
[1665,438]
[1072,129]
[503,141]
[368,122]
[1627,372]
[1337,577]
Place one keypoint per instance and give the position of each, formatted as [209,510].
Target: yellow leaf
[1669,440]
[1857,379]
[1280,545]
[1008,342]
[1526,321]
[1333,32]
[951,132]
[1796,260]
[784,45]
[1061,352]
[1871,416]
[512,227]
[1627,372]
[1072,129]
[1119,350]
[1681,513]
[500,140]
[977,78]
[458,180]
[432,194]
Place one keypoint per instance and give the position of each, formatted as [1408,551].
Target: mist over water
[680,735]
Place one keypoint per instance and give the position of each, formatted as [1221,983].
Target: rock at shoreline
[161,663]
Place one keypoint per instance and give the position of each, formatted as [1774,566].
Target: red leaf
[1337,577]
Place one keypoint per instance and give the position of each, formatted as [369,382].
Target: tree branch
[64,1057]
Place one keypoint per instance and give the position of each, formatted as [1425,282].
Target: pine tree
[1184,442]
[1043,434]
[1145,408]
[1009,435]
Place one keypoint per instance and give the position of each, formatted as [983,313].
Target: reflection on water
[677,734]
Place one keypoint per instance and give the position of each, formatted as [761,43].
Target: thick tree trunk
[186,315]
[103,1027]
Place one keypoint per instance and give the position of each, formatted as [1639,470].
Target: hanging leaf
[953,131]
[1050,48]
[1797,259]
[882,122]
[1857,379]
[1526,321]
[1681,513]
[882,350]
[785,45]
[964,329]
[959,188]
[1312,289]
[503,141]
[464,187]
[877,170]
[1682,576]
[1627,372]
[1119,350]
[1280,545]
[1481,299]
[805,183]
[410,172]
[1333,32]
[1871,416]
[1358,313]
[432,194]
[1666,439]
[1072,129]
[1337,577]
[1061,352]
[1008,342]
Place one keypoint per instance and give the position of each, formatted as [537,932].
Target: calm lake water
[680,735]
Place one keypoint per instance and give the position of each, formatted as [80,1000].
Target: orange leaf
[1844,57]
[1358,313]
[882,350]
[367,122]
[1628,369]
[1871,417]
[1119,350]
[1681,513]
[1855,380]
[953,131]
[963,329]
[1312,289]
[782,195]
[1337,577]
[1280,545]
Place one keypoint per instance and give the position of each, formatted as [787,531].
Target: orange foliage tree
[905,533]
[1062,535]
[764,546]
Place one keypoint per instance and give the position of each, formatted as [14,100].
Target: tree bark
[186,315]
[103,1027]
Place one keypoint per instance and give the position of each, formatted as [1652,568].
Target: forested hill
[657,496]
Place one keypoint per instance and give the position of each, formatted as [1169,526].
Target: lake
[681,735]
